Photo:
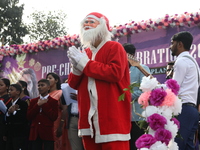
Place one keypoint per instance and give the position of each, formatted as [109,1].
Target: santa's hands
[75,55]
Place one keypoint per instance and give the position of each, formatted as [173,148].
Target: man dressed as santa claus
[100,73]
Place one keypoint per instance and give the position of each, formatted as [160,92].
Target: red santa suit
[100,81]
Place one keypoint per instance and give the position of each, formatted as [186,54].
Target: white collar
[45,97]
[14,102]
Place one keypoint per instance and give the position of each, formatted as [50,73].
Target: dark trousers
[188,118]
[136,132]
[40,144]
[15,143]
[2,143]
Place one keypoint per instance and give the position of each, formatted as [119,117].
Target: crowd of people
[35,123]
[84,112]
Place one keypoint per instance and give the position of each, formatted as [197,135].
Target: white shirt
[45,97]
[42,98]
[185,73]
[66,89]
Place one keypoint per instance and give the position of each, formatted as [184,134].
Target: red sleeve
[109,64]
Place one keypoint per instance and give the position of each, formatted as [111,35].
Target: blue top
[136,76]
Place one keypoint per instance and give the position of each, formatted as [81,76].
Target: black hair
[185,37]
[24,86]
[171,63]
[56,77]
[44,81]
[129,48]
[6,82]
[17,87]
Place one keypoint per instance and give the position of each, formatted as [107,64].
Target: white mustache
[88,27]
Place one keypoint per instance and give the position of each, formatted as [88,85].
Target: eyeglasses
[89,21]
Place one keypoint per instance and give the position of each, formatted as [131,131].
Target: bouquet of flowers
[161,104]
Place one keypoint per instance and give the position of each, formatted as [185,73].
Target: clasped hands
[75,55]
[13,108]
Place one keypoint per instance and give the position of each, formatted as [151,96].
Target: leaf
[121,97]
[126,89]
[143,124]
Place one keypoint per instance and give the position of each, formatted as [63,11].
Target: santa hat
[97,16]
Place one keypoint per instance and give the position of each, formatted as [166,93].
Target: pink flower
[146,140]
[173,85]
[176,122]
[169,99]
[163,135]
[156,121]
[144,98]
[157,96]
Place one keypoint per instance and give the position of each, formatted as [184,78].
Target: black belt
[190,104]
[72,115]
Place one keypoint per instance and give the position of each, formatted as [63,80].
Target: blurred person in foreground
[186,73]
[100,73]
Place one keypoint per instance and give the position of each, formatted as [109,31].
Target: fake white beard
[88,37]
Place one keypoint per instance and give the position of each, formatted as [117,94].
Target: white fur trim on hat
[93,16]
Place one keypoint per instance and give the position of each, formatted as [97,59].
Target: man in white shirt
[186,73]
[70,96]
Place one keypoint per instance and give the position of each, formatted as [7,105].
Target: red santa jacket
[42,119]
[99,86]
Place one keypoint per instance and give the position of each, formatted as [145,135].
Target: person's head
[4,86]
[15,90]
[129,48]
[28,75]
[94,29]
[23,84]
[169,70]
[54,79]
[43,86]
[180,42]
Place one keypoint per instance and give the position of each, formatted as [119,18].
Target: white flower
[172,127]
[150,110]
[165,111]
[144,149]
[151,131]
[177,107]
[148,83]
[164,86]
[159,146]
[172,145]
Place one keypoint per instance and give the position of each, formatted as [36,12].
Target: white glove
[75,55]
[71,61]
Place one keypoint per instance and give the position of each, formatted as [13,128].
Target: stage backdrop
[152,50]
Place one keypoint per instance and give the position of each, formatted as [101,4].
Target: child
[16,120]
[42,112]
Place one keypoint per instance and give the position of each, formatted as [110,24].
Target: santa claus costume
[100,77]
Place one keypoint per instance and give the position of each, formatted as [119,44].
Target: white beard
[90,36]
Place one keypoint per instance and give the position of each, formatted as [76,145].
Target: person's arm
[63,117]
[137,92]
[144,69]
[180,70]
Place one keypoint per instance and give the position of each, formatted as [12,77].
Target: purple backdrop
[152,50]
